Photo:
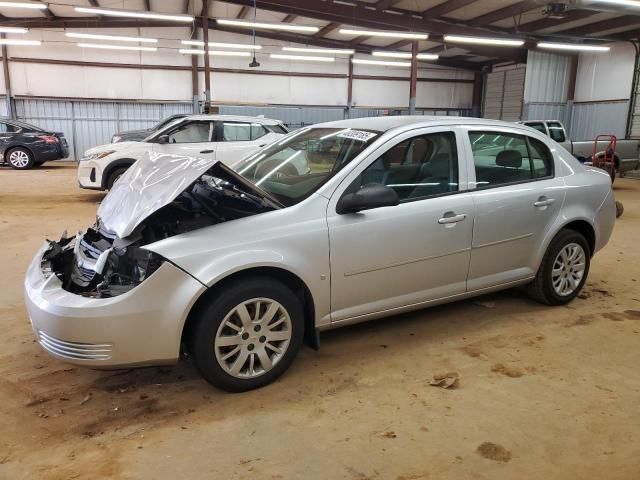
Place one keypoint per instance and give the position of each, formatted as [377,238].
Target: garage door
[504,94]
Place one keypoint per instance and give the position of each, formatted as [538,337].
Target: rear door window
[242,132]
[556,131]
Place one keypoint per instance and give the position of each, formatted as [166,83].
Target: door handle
[543,201]
[451,217]
[206,151]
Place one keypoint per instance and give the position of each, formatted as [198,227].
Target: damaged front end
[109,259]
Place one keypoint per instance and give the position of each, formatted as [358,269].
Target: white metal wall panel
[605,76]
[547,78]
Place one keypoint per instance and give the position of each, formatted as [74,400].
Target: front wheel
[248,334]
[563,270]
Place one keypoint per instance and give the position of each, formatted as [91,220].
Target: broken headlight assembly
[95,265]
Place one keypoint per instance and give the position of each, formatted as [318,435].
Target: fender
[121,162]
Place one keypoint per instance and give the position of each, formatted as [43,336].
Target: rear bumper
[140,327]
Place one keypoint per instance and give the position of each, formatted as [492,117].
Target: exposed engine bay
[99,264]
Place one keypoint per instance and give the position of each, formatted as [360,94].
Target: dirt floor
[543,392]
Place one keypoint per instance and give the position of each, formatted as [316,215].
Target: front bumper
[140,327]
[90,175]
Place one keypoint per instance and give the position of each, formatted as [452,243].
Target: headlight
[115,139]
[97,155]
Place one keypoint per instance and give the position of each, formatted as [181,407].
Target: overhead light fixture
[13,30]
[373,33]
[117,38]
[32,5]
[498,42]
[379,53]
[622,3]
[337,51]
[221,53]
[574,47]
[133,14]
[305,58]
[427,56]
[200,43]
[104,46]
[268,26]
[381,62]
[16,41]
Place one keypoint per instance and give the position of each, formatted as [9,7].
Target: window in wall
[418,167]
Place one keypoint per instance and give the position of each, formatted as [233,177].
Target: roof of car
[387,123]
[235,118]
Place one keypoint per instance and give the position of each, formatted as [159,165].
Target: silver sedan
[334,224]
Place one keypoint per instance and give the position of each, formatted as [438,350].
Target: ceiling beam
[445,7]
[543,23]
[147,5]
[385,4]
[83,22]
[94,3]
[506,12]
[185,6]
[288,19]
[243,12]
[330,27]
[593,28]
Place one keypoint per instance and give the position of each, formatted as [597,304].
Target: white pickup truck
[627,151]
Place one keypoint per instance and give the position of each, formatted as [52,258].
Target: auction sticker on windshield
[357,135]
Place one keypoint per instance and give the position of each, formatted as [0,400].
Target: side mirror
[372,195]
[162,139]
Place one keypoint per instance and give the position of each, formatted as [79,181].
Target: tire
[114,176]
[547,286]
[213,341]
[20,158]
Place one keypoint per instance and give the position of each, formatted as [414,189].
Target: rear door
[236,140]
[517,199]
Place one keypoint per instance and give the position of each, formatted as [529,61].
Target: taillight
[48,138]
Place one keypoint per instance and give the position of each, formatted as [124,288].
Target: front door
[394,257]
[191,139]
[517,199]
[236,140]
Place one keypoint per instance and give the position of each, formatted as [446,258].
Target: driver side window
[419,167]
[194,132]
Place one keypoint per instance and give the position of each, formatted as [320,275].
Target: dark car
[139,135]
[23,145]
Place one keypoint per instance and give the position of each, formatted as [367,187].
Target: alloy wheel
[568,269]
[252,338]
[19,159]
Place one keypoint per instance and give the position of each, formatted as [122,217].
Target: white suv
[226,138]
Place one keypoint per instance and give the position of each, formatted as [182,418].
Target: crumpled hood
[154,181]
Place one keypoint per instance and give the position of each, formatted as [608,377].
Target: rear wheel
[248,334]
[20,158]
[563,270]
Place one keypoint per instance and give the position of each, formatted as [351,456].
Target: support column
[194,78]
[478,86]
[349,88]
[414,78]
[207,70]
[571,92]
[7,82]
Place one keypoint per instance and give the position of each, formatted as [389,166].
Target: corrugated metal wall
[503,94]
[591,119]
[90,123]
[547,111]
[294,117]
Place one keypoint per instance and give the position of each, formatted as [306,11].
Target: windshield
[155,134]
[295,167]
[163,123]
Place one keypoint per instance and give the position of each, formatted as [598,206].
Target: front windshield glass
[169,125]
[295,167]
